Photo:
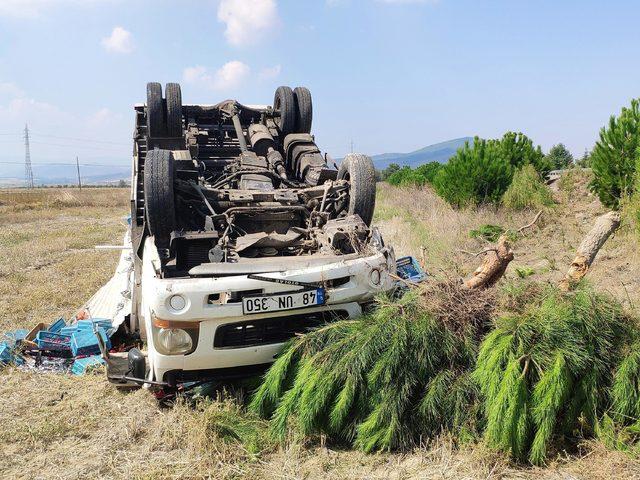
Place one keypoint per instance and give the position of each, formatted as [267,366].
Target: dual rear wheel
[164,115]
[294,110]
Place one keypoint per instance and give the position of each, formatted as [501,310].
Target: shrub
[390,170]
[527,190]
[549,370]
[406,176]
[482,172]
[377,382]
[613,159]
[429,170]
[546,369]
[487,232]
[585,160]
[630,205]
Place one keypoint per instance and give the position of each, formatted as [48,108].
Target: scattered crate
[16,336]
[8,355]
[85,364]
[85,342]
[31,336]
[56,342]
[409,270]
[46,343]
[57,325]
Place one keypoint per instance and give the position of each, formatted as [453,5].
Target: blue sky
[391,75]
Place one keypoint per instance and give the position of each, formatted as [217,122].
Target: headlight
[175,338]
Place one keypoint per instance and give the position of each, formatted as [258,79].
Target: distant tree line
[484,170]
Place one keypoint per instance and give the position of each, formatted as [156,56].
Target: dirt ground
[63,427]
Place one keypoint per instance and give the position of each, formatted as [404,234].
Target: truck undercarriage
[244,234]
[243,182]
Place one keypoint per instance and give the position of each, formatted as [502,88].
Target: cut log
[494,263]
[605,225]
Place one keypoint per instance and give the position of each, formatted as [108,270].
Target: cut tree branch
[492,267]
[531,224]
[592,242]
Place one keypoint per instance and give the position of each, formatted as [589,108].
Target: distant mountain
[439,152]
[102,174]
[67,175]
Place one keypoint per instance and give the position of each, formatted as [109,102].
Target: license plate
[282,301]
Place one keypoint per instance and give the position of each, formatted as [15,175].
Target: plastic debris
[53,341]
[85,342]
[8,355]
[86,364]
[15,337]
[59,347]
[57,325]
[409,270]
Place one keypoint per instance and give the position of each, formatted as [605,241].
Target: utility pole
[28,173]
[78,168]
[352,145]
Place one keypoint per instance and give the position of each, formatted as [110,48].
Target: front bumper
[217,301]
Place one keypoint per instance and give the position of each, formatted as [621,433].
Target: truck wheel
[284,104]
[158,196]
[304,109]
[358,169]
[174,109]
[155,111]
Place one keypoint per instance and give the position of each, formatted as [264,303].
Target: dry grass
[55,426]
[49,266]
[415,218]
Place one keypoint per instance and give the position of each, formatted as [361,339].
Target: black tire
[156,125]
[284,104]
[358,169]
[159,204]
[173,96]
[304,109]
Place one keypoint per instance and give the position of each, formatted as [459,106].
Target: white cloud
[269,73]
[35,8]
[226,77]
[120,41]
[10,90]
[247,21]
[103,117]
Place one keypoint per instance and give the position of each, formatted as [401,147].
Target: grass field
[55,426]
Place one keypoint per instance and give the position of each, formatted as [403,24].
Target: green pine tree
[613,159]
[482,172]
[559,157]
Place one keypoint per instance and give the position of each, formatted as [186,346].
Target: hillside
[438,152]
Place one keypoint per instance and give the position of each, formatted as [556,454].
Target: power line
[73,139]
[57,164]
[79,139]
[93,147]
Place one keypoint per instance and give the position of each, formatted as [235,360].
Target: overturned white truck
[243,236]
